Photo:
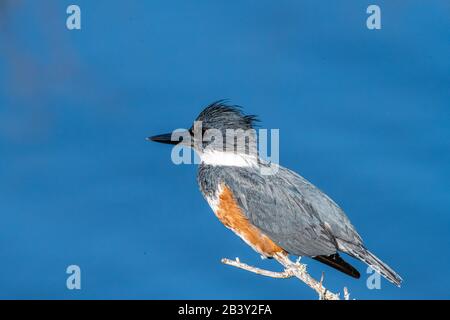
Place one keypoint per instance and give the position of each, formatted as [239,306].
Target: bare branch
[300,272]
[291,269]
[346,294]
[279,275]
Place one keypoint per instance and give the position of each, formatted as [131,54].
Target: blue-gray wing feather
[286,207]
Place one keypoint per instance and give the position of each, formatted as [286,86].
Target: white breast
[221,158]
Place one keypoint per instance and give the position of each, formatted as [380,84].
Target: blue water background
[363,114]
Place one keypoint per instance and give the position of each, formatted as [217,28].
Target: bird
[279,213]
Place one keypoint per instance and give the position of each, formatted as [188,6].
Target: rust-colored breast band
[231,215]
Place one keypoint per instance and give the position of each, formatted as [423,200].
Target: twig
[291,269]
[279,275]
[346,294]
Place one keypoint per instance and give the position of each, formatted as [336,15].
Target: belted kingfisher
[280,213]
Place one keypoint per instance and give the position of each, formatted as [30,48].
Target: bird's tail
[335,261]
[371,260]
[379,266]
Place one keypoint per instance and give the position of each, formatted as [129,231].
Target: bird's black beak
[163,138]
